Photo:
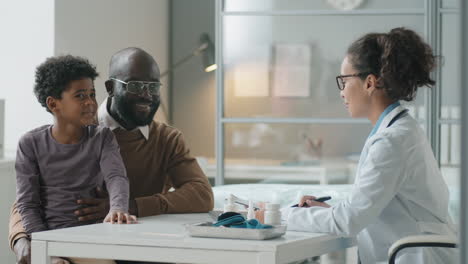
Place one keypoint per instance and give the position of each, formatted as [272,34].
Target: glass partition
[279,63]
[449,123]
[292,153]
[282,5]
[273,71]
[450,61]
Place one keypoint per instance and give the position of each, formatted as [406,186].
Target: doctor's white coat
[398,191]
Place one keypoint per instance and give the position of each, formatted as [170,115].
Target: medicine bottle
[272,214]
[230,206]
[250,211]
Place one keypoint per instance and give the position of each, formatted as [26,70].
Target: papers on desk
[242,202]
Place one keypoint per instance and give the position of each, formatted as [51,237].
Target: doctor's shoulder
[403,130]
[408,131]
[396,139]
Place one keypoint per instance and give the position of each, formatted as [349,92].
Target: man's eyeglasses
[340,79]
[137,87]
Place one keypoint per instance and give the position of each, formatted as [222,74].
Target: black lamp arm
[194,53]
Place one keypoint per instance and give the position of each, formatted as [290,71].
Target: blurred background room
[268,121]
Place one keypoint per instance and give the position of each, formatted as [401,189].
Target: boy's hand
[22,249]
[95,208]
[120,217]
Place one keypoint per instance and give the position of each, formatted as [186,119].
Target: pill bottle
[250,211]
[272,214]
[230,206]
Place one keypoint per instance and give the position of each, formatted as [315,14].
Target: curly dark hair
[54,75]
[400,59]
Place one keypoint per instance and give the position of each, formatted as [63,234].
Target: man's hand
[22,249]
[120,217]
[95,208]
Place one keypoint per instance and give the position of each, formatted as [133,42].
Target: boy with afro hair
[59,164]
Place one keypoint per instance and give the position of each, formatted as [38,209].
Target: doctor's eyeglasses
[340,79]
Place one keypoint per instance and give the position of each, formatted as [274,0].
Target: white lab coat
[398,191]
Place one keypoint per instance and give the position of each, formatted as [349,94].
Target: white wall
[193,94]
[31,31]
[8,191]
[27,38]
[97,29]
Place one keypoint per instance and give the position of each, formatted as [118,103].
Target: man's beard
[125,108]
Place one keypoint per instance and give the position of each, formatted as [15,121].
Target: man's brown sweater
[153,167]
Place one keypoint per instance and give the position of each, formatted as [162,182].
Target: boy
[58,164]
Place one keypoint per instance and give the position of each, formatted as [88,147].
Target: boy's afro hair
[54,75]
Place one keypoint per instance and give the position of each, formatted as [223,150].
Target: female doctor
[399,190]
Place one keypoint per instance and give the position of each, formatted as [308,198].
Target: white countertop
[163,238]
[167,231]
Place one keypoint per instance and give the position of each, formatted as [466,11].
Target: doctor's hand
[22,249]
[120,217]
[57,260]
[94,208]
[309,201]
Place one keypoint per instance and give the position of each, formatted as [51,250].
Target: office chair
[420,241]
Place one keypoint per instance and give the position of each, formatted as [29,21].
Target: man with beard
[155,154]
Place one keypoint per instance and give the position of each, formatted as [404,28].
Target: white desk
[163,238]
